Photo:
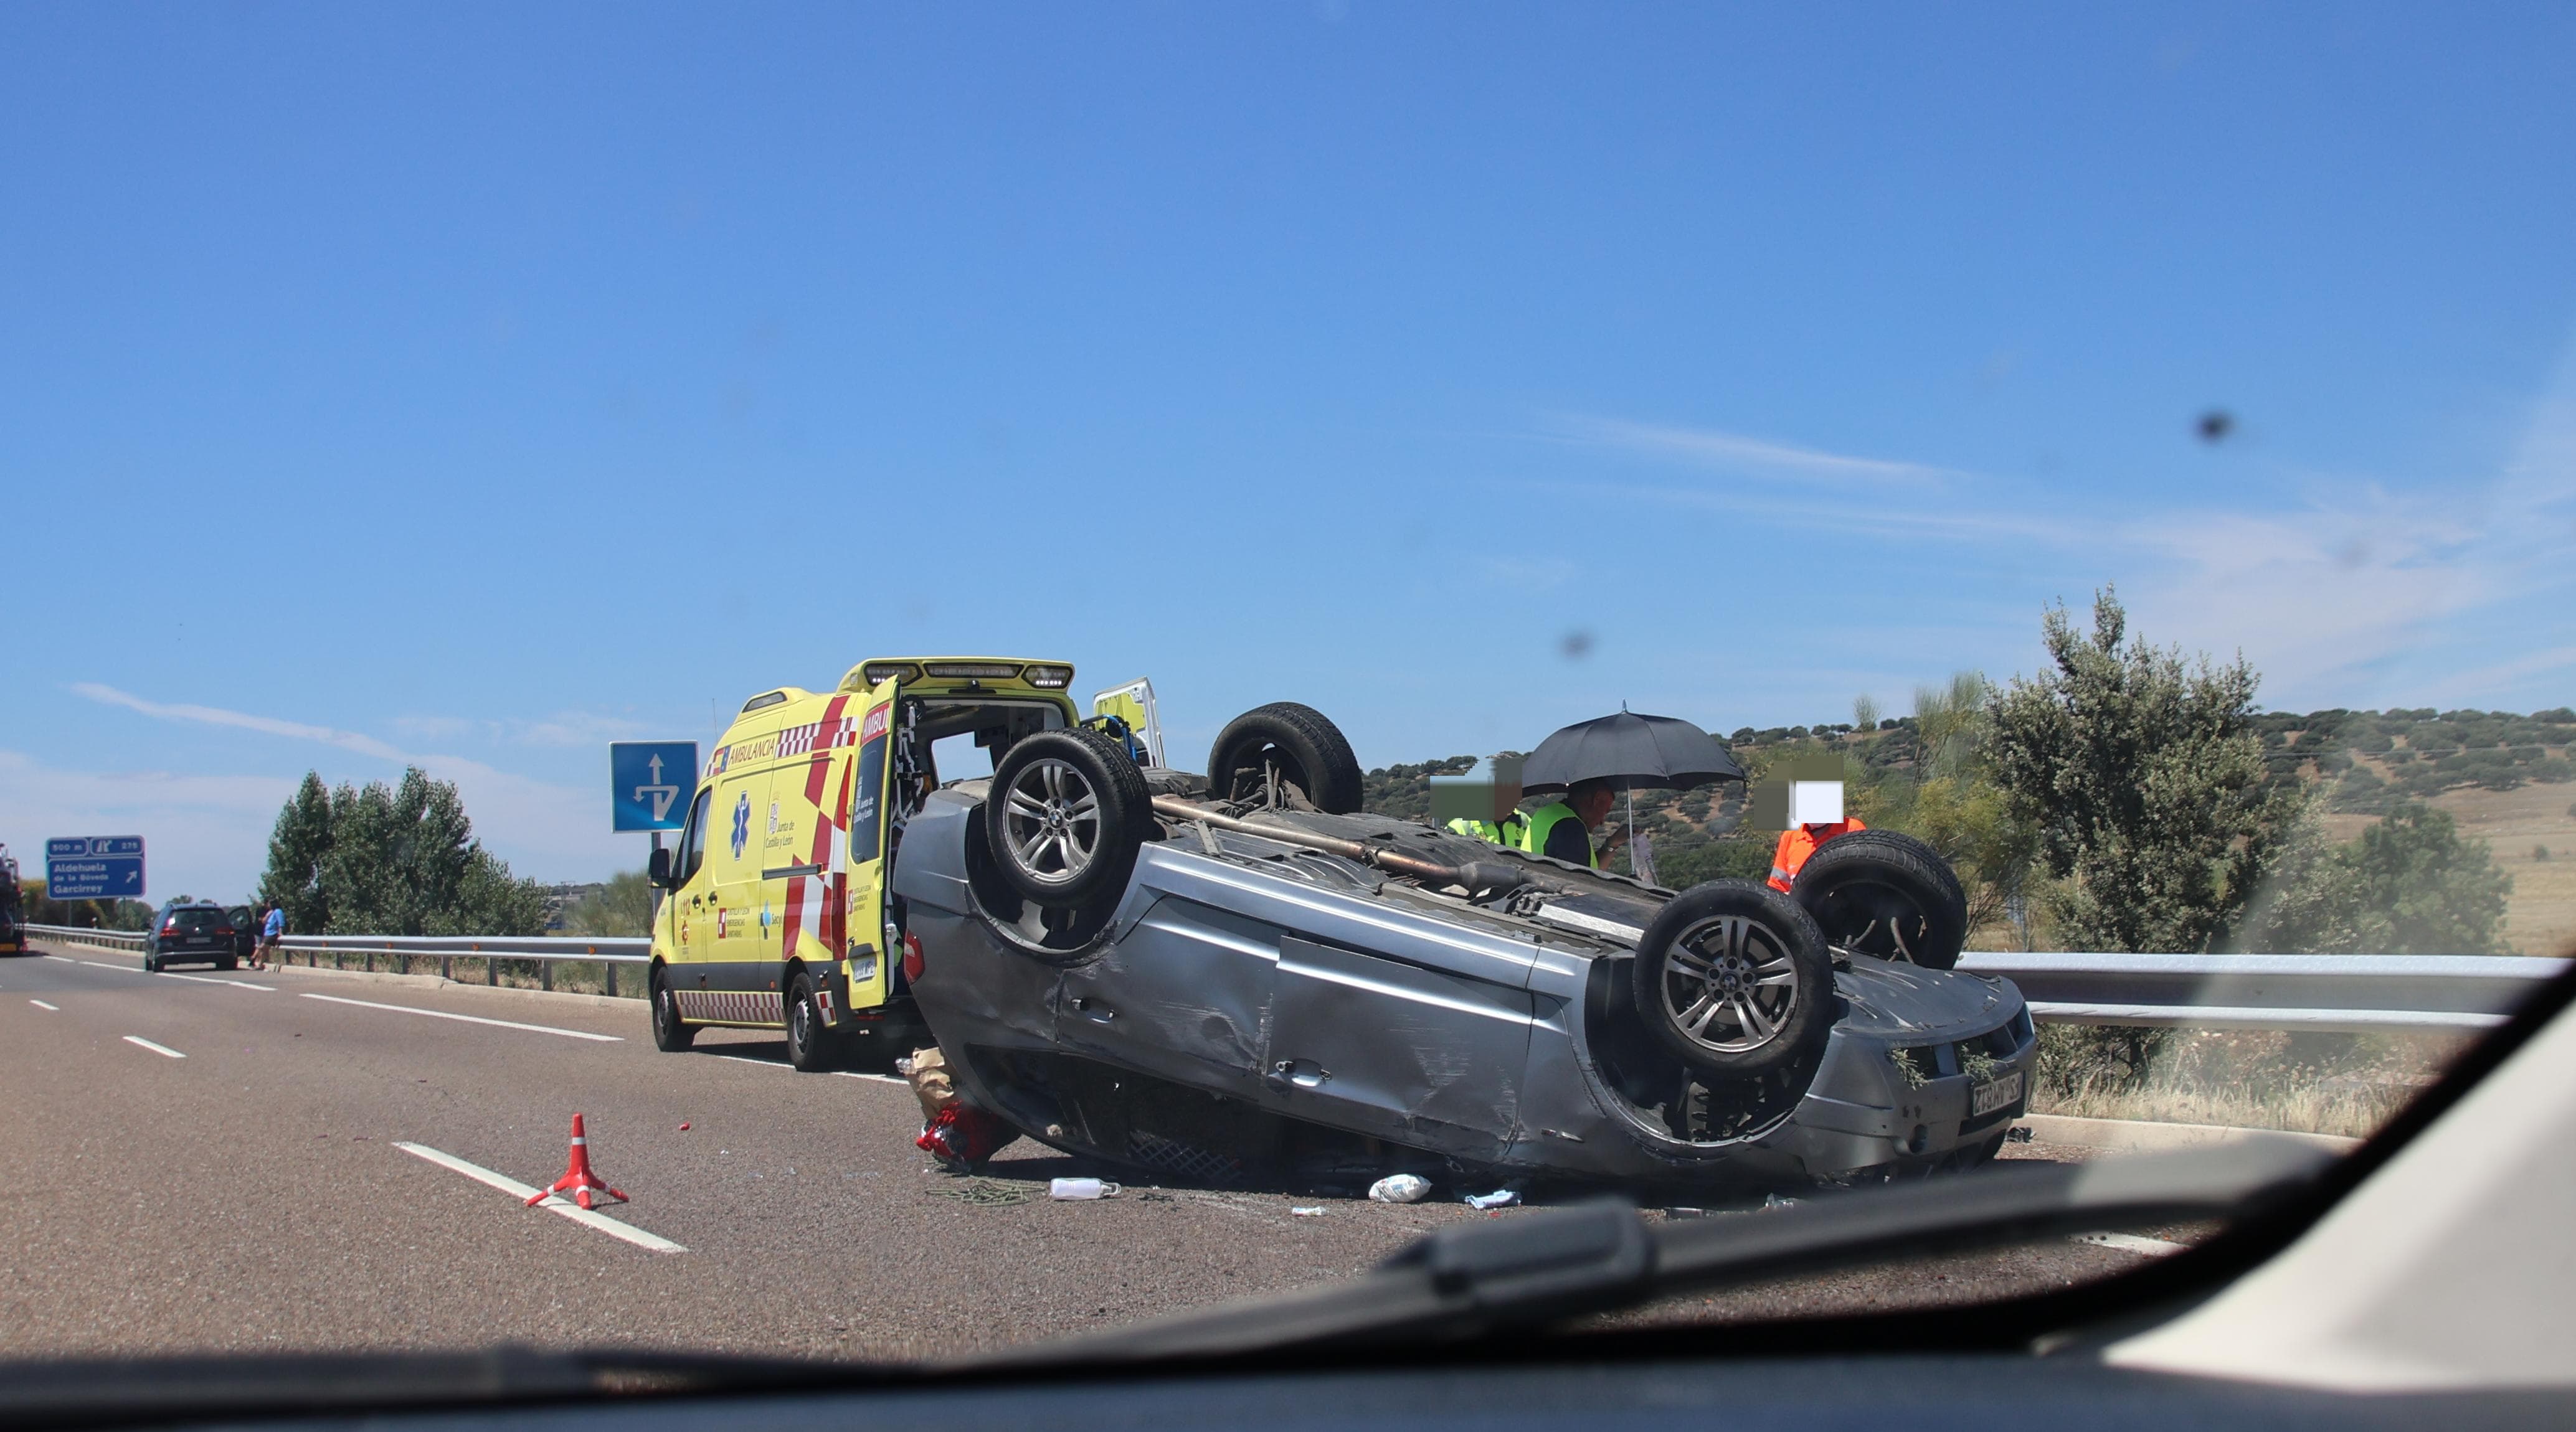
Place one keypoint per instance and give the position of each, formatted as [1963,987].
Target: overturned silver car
[1234,981]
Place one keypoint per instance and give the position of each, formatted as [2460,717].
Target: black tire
[1066,813]
[152,964]
[229,963]
[1885,895]
[809,1045]
[1308,752]
[671,1034]
[1741,951]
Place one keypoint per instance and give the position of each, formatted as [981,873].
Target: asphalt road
[202,1161]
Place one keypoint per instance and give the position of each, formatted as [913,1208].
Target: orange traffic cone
[578,1180]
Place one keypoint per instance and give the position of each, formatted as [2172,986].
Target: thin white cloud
[528,822]
[1745,456]
[1819,512]
[562,729]
[2330,595]
[239,720]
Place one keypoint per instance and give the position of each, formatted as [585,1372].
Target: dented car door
[1370,1042]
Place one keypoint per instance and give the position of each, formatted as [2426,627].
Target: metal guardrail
[2351,993]
[400,951]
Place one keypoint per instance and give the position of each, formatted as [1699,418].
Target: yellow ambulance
[775,913]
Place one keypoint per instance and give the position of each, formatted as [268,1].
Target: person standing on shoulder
[271,930]
[1563,829]
[1815,816]
[1508,833]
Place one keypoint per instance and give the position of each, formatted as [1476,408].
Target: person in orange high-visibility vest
[1796,844]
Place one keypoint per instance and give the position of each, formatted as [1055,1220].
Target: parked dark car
[197,932]
[1233,984]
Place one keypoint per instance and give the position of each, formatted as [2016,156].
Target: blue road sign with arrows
[648,779]
[94,867]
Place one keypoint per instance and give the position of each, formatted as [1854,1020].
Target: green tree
[622,907]
[399,860]
[2408,885]
[1946,794]
[2141,778]
[297,848]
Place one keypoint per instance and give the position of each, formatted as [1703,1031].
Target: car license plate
[1995,1094]
[199,939]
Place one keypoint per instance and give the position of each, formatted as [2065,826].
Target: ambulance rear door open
[865,799]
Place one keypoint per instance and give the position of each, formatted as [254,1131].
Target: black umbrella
[1629,751]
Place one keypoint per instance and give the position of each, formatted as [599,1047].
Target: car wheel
[808,1047]
[1885,895]
[1733,977]
[1066,812]
[1291,745]
[152,964]
[228,963]
[671,1034]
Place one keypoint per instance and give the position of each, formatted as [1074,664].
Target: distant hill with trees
[2130,797]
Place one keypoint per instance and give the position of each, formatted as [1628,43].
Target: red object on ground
[578,1180]
[962,1136]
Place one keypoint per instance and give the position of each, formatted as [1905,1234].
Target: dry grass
[2353,1112]
[2540,914]
[2345,1084]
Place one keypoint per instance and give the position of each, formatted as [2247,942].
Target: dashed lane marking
[763,1063]
[880,1078]
[161,1049]
[104,965]
[210,979]
[66,959]
[40,1004]
[2132,1243]
[524,1192]
[473,1019]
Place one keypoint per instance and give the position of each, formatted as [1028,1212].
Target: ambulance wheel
[809,1044]
[1293,744]
[1067,811]
[1734,978]
[671,1034]
[1885,895]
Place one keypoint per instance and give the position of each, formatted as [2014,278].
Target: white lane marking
[40,1004]
[155,1048]
[763,1063]
[2132,1243]
[66,959]
[102,965]
[210,979]
[523,1193]
[473,1019]
[880,1078]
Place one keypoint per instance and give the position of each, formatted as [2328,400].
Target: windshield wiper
[1543,1267]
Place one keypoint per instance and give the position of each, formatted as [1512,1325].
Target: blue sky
[475,385]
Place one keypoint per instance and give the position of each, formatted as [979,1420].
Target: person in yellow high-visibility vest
[1563,829]
[1508,833]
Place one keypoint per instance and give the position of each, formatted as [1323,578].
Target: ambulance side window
[693,841]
